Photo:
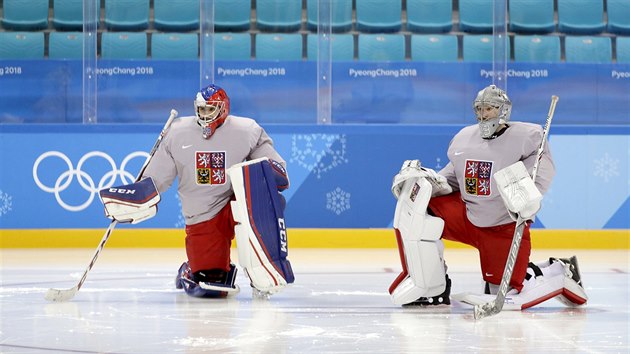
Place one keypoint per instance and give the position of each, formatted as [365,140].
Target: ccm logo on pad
[122,191]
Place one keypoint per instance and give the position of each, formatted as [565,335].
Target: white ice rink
[338,304]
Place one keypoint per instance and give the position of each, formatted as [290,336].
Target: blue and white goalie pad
[261,234]
[132,203]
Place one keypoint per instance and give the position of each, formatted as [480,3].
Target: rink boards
[340,183]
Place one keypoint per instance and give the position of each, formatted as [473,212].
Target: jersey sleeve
[263,147]
[162,167]
[449,172]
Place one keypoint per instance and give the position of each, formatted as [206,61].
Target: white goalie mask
[492,109]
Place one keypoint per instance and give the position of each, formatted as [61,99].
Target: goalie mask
[212,106]
[492,108]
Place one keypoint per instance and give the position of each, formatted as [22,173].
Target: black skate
[442,299]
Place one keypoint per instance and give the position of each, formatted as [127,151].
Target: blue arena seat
[381,47]
[340,18]
[532,16]
[279,46]
[587,49]
[278,15]
[623,50]
[478,48]
[174,46]
[232,15]
[124,45]
[581,16]
[379,15]
[434,47]
[475,16]
[233,46]
[537,48]
[65,45]
[176,15]
[126,15]
[429,16]
[618,16]
[68,15]
[25,15]
[22,45]
[342,47]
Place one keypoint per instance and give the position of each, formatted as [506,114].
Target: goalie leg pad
[261,234]
[420,247]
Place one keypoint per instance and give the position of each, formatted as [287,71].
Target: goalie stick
[495,306]
[60,295]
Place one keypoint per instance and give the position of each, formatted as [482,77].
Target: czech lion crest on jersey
[477,177]
[210,167]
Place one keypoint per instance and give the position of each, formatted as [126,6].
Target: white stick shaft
[495,306]
[60,295]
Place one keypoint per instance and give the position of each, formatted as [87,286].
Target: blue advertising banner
[140,91]
[340,174]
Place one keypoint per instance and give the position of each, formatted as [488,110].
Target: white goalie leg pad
[419,244]
[260,231]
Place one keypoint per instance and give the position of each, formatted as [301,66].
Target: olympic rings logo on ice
[85,180]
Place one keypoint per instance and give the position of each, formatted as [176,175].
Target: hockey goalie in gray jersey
[229,181]
[472,201]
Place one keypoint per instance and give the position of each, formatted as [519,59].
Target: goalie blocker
[132,203]
[261,234]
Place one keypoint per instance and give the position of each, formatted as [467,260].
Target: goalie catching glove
[519,192]
[412,169]
[132,203]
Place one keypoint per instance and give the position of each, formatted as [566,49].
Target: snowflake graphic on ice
[6,203]
[338,201]
[606,167]
[315,153]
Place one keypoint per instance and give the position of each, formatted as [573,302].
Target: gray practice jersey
[473,160]
[201,164]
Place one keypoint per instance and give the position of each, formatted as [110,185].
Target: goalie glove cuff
[132,203]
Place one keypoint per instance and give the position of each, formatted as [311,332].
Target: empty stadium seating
[531,16]
[379,15]
[172,46]
[429,16]
[537,48]
[341,46]
[434,47]
[176,15]
[126,15]
[340,15]
[278,15]
[479,48]
[25,15]
[232,15]
[623,50]
[588,49]
[581,16]
[65,45]
[232,46]
[381,47]
[124,45]
[68,15]
[279,46]
[618,16]
[475,16]
[21,45]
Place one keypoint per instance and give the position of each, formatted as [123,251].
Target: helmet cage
[495,98]
[212,107]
